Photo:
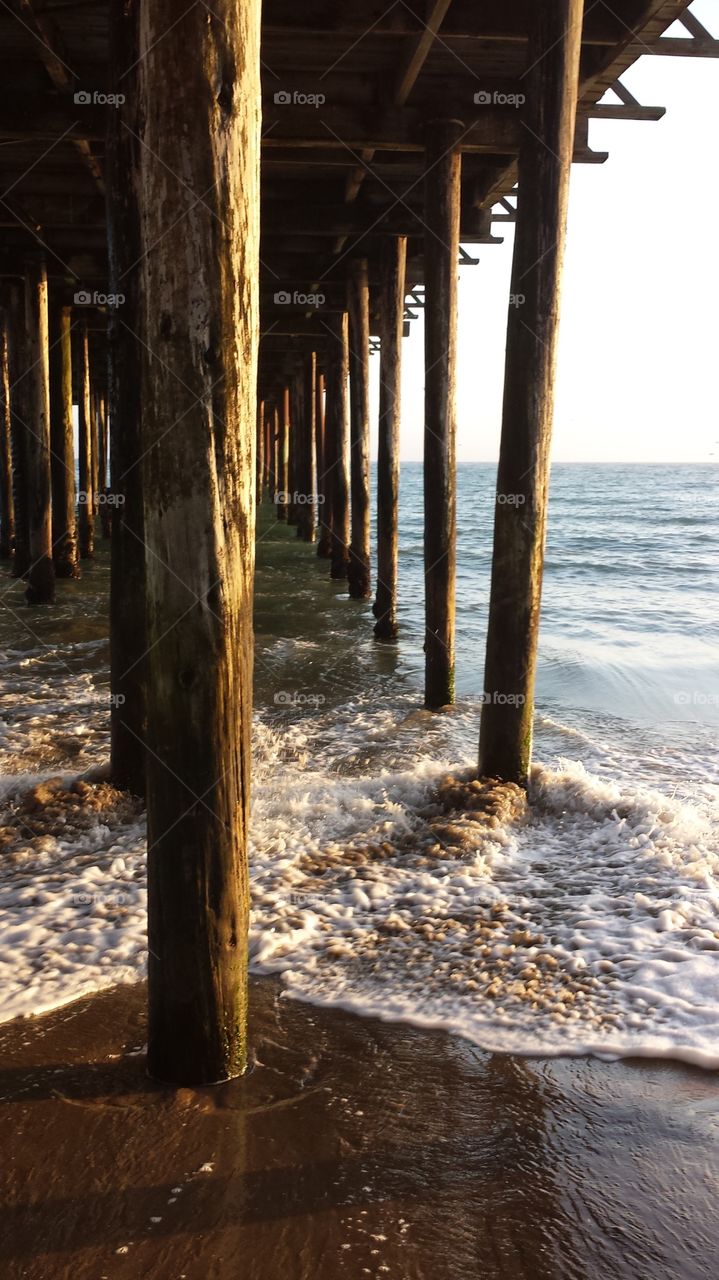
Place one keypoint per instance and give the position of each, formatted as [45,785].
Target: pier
[209,220]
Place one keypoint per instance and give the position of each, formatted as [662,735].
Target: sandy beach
[352,1148]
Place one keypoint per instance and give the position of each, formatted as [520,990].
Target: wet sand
[353,1148]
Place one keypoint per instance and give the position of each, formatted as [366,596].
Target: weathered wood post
[86,494]
[283,457]
[199,99]
[105,510]
[295,445]
[128,627]
[260,464]
[545,157]
[391,303]
[308,468]
[324,481]
[62,461]
[337,441]
[358,569]
[19,414]
[41,573]
[442,209]
[276,453]
[7,506]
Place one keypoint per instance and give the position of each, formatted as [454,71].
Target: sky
[639,337]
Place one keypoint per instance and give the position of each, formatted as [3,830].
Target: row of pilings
[53,502]
[191,440]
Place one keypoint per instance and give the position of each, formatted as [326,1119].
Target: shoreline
[352,1147]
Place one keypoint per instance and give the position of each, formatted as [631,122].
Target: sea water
[591,924]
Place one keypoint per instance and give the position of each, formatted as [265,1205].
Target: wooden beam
[618,111]
[676,47]
[418,52]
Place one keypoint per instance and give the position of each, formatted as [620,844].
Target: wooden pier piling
[308,471]
[7,505]
[199,97]
[442,212]
[337,442]
[324,480]
[545,157]
[283,457]
[391,306]
[62,461]
[41,571]
[19,414]
[86,494]
[128,623]
[358,569]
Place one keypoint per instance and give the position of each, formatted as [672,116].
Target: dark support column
[7,506]
[545,156]
[62,462]
[308,481]
[260,463]
[358,571]
[105,510]
[390,389]
[269,456]
[337,441]
[358,306]
[41,574]
[19,413]
[442,209]
[324,482]
[199,101]
[295,465]
[128,625]
[283,457]
[86,495]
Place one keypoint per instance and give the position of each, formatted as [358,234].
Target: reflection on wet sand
[352,1148]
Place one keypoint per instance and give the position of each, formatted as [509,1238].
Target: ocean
[589,924]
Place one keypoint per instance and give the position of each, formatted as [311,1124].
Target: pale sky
[639,342]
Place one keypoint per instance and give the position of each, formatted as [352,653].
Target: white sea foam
[592,926]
